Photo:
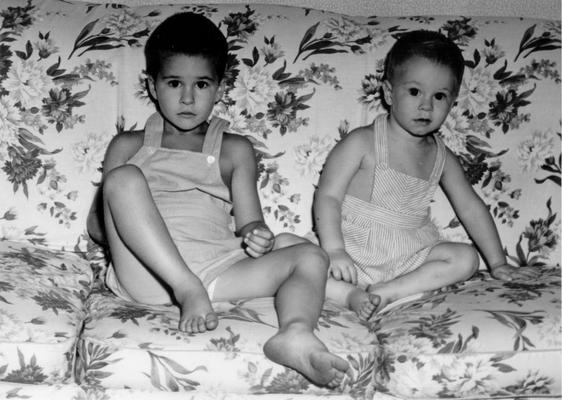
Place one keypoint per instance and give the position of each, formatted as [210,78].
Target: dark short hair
[188,34]
[431,45]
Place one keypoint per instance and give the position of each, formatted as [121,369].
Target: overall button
[210,159]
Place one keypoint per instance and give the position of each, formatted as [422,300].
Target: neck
[171,130]
[399,135]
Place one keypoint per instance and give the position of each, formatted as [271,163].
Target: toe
[194,325]
[181,325]
[211,321]
[336,380]
[341,365]
[365,313]
[374,299]
[188,326]
[201,325]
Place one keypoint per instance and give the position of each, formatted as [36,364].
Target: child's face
[186,89]
[420,95]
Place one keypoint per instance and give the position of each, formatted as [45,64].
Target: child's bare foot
[196,312]
[380,291]
[297,347]
[363,303]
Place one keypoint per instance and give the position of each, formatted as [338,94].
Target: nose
[426,103]
[187,95]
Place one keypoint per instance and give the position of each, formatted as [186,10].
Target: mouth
[187,114]
[422,121]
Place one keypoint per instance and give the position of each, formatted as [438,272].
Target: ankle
[297,325]
[188,287]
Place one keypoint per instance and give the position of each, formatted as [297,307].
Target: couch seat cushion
[125,345]
[42,309]
[137,394]
[484,338]
[67,391]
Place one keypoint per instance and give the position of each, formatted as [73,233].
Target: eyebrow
[419,84]
[199,78]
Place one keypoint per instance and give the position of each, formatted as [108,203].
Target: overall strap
[153,130]
[381,140]
[380,148]
[213,137]
[439,160]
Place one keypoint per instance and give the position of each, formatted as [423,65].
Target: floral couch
[71,77]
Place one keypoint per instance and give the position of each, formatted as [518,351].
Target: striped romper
[391,234]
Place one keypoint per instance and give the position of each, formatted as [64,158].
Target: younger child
[168,193]
[372,204]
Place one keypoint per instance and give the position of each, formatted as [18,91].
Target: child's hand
[342,267]
[259,241]
[507,272]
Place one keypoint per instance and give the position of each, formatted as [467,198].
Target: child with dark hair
[168,196]
[372,203]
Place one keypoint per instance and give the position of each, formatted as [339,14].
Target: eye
[202,84]
[441,96]
[413,91]
[173,83]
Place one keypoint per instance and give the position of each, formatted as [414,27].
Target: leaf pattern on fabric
[297,82]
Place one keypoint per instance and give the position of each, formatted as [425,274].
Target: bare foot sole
[363,303]
[300,350]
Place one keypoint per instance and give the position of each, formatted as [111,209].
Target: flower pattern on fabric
[297,81]
[54,128]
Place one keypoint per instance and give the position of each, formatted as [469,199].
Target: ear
[220,91]
[387,92]
[151,88]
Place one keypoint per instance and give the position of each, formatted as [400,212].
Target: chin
[187,126]
[420,133]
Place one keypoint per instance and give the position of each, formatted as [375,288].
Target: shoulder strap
[153,130]
[439,159]
[380,139]
[213,137]
[380,149]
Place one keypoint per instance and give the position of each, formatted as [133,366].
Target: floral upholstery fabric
[480,339]
[298,80]
[42,309]
[125,345]
[67,391]
[71,77]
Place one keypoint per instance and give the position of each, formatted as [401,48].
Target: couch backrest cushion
[71,77]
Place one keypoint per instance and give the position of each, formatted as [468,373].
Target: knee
[311,257]
[468,260]
[124,178]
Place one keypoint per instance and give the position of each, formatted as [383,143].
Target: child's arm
[342,164]
[475,217]
[248,214]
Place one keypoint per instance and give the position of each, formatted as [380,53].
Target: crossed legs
[446,263]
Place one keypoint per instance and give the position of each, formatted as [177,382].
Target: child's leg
[143,252]
[353,297]
[446,263]
[343,293]
[296,276]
